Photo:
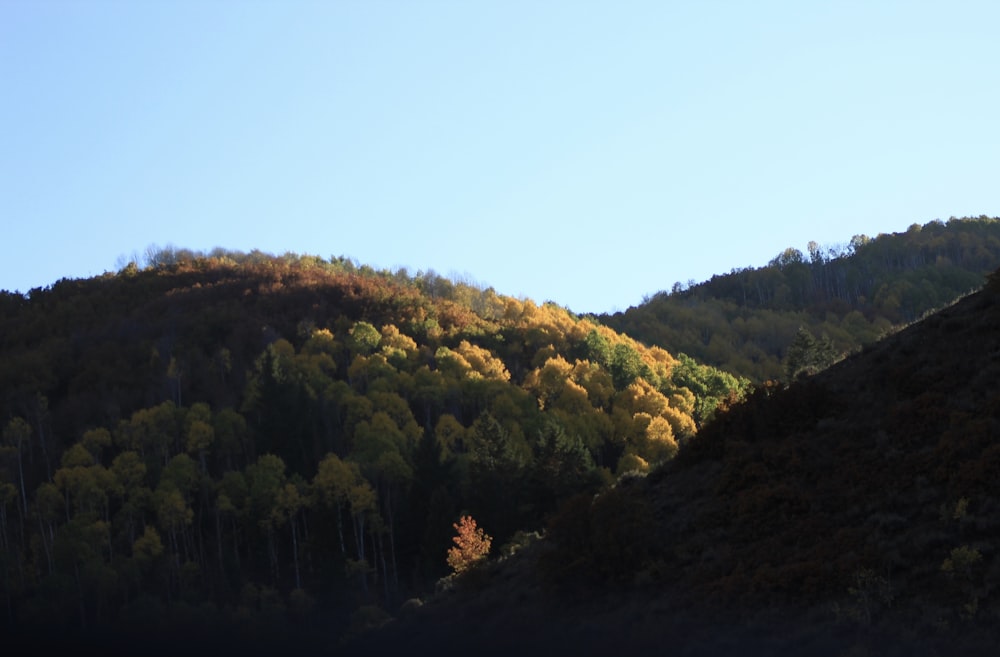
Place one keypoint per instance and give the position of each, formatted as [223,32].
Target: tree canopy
[244,433]
[744,322]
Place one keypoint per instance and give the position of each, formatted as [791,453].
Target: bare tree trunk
[305,535]
[273,554]
[359,541]
[79,589]
[176,560]
[385,574]
[236,542]
[295,553]
[48,539]
[218,534]
[340,530]
[392,539]
[10,599]
[20,474]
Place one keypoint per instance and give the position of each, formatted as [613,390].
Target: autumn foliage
[472,545]
[211,424]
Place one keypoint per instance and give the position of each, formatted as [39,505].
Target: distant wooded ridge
[743,322]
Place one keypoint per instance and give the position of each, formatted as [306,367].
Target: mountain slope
[855,512]
[744,322]
[266,445]
[886,462]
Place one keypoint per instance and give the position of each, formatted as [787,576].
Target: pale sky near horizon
[586,153]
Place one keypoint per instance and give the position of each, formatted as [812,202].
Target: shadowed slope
[855,512]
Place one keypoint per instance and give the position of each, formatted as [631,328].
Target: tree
[363,338]
[199,434]
[331,487]
[363,503]
[16,434]
[129,472]
[229,430]
[790,256]
[626,365]
[596,348]
[153,432]
[495,479]
[472,545]
[710,386]
[146,552]
[95,440]
[289,505]
[265,480]
[808,355]
[562,466]
[339,485]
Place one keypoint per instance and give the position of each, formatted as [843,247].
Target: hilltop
[252,445]
[248,452]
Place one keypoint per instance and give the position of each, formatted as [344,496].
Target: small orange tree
[472,545]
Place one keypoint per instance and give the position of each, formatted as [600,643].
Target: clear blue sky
[587,153]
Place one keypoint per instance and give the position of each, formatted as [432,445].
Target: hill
[249,446]
[746,322]
[851,513]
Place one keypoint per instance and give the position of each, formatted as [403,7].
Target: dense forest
[852,512]
[270,443]
[834,298]
[248,447]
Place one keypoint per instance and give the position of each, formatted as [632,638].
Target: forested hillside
[841,297]
[854,512]
[263,443]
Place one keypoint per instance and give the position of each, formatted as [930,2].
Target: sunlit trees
[554,387]
[310,450]
[744,321]
[363,338]
[708,386]
[482,361]
[625,364]
[472,545]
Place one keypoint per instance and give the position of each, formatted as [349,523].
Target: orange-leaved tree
[472,545]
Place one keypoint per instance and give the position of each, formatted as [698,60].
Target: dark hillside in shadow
[856,512]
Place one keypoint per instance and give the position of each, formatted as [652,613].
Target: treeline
[256,439]
[850,295]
